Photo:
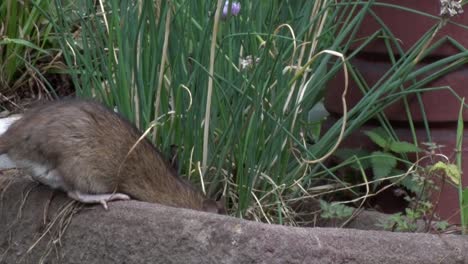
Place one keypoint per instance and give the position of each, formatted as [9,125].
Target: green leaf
[403,147]
[335,210]
[451,170]
[441,225]
[408,182]
[23,43]
[382,164]
[398,222]
[377,138]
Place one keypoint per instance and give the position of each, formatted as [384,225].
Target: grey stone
[138,232]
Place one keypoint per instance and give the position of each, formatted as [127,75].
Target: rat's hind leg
[97,198]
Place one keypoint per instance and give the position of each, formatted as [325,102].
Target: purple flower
[235,8]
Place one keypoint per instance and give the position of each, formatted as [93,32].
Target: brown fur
[89,146]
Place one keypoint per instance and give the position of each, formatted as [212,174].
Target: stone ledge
[137,232]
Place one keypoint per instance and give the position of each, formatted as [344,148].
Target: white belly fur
[42,173]
[5,123]
[6,162]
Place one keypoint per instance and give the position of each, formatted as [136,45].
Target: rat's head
[212,206]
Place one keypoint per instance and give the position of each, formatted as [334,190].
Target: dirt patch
[35,89]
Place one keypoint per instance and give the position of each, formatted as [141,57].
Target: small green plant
[453,173]
[398,222]
[420,207]
[450,170]
[384,162]
[408,222]
[335,210]
[441,225]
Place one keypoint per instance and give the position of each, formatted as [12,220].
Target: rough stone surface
[137,232]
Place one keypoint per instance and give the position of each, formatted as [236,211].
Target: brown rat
[83,148]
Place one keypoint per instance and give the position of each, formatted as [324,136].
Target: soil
[33,90]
